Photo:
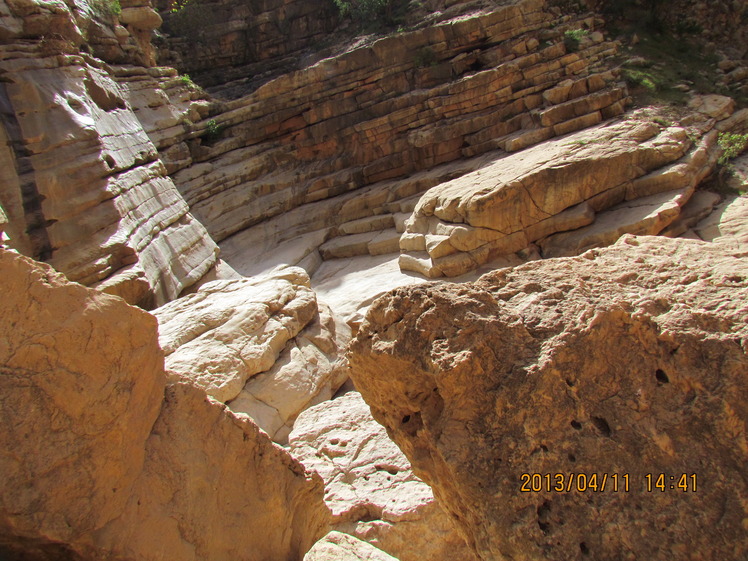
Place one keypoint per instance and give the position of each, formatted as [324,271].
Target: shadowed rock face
[625,361]
[101,460]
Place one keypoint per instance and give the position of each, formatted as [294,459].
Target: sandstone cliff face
[224,40]
[99,461]
[407,102]
[82,183]
[627,361]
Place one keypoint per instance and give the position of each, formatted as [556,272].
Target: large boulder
[631,176]
[263,345]
[81,385]
[370,487]
[100,461]
[230,330]
[587,406]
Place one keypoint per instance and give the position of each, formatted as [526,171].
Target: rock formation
[621,364]
[259,344]
[566,195]
[342,547]
[82,183]
[369,485]
[99,461]
[331,168]
[407,102]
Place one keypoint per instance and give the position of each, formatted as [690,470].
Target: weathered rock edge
[626,360]
[101,461]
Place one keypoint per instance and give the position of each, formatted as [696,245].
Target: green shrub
[365,11]
[107,8]
[572,38]
[213,131]
[732,144]
[185,80]
[424,57]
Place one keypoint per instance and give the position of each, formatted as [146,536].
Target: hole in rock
[576,425]
[661,377]
[601,425]
[584,549]
[572,458]
[543,511]
[406,419]
[569,383]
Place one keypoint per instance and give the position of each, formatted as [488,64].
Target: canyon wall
[83,187]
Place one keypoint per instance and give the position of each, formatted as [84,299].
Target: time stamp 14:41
[601,482]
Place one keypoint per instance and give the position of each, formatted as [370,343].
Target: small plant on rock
[107,8]
[213,131]
[573,37]
[732,144]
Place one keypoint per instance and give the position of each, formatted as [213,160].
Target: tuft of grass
[185,80]
[573,37]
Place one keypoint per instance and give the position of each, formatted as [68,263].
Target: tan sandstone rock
[230,330]
[370,487]
[99,462]
[307,371]
[82,384]
[342,547]
[619,363]
[649,172]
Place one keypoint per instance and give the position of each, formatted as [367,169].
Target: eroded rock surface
[567,195]
[307,371]
[231,330]
[99,461]
[263,345]
[336,546]
[370,487]
[627,361]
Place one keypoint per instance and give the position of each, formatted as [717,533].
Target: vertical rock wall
[83,186]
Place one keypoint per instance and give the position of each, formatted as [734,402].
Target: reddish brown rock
[622,362]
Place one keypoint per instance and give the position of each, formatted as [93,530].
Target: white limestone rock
[370,487]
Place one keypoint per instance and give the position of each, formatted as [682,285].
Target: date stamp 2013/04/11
[606,482]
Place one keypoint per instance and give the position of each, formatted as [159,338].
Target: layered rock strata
[502,79]
[369,485]
[101,460]
[222,40]
[568,194]
[82,183]
[624,364]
